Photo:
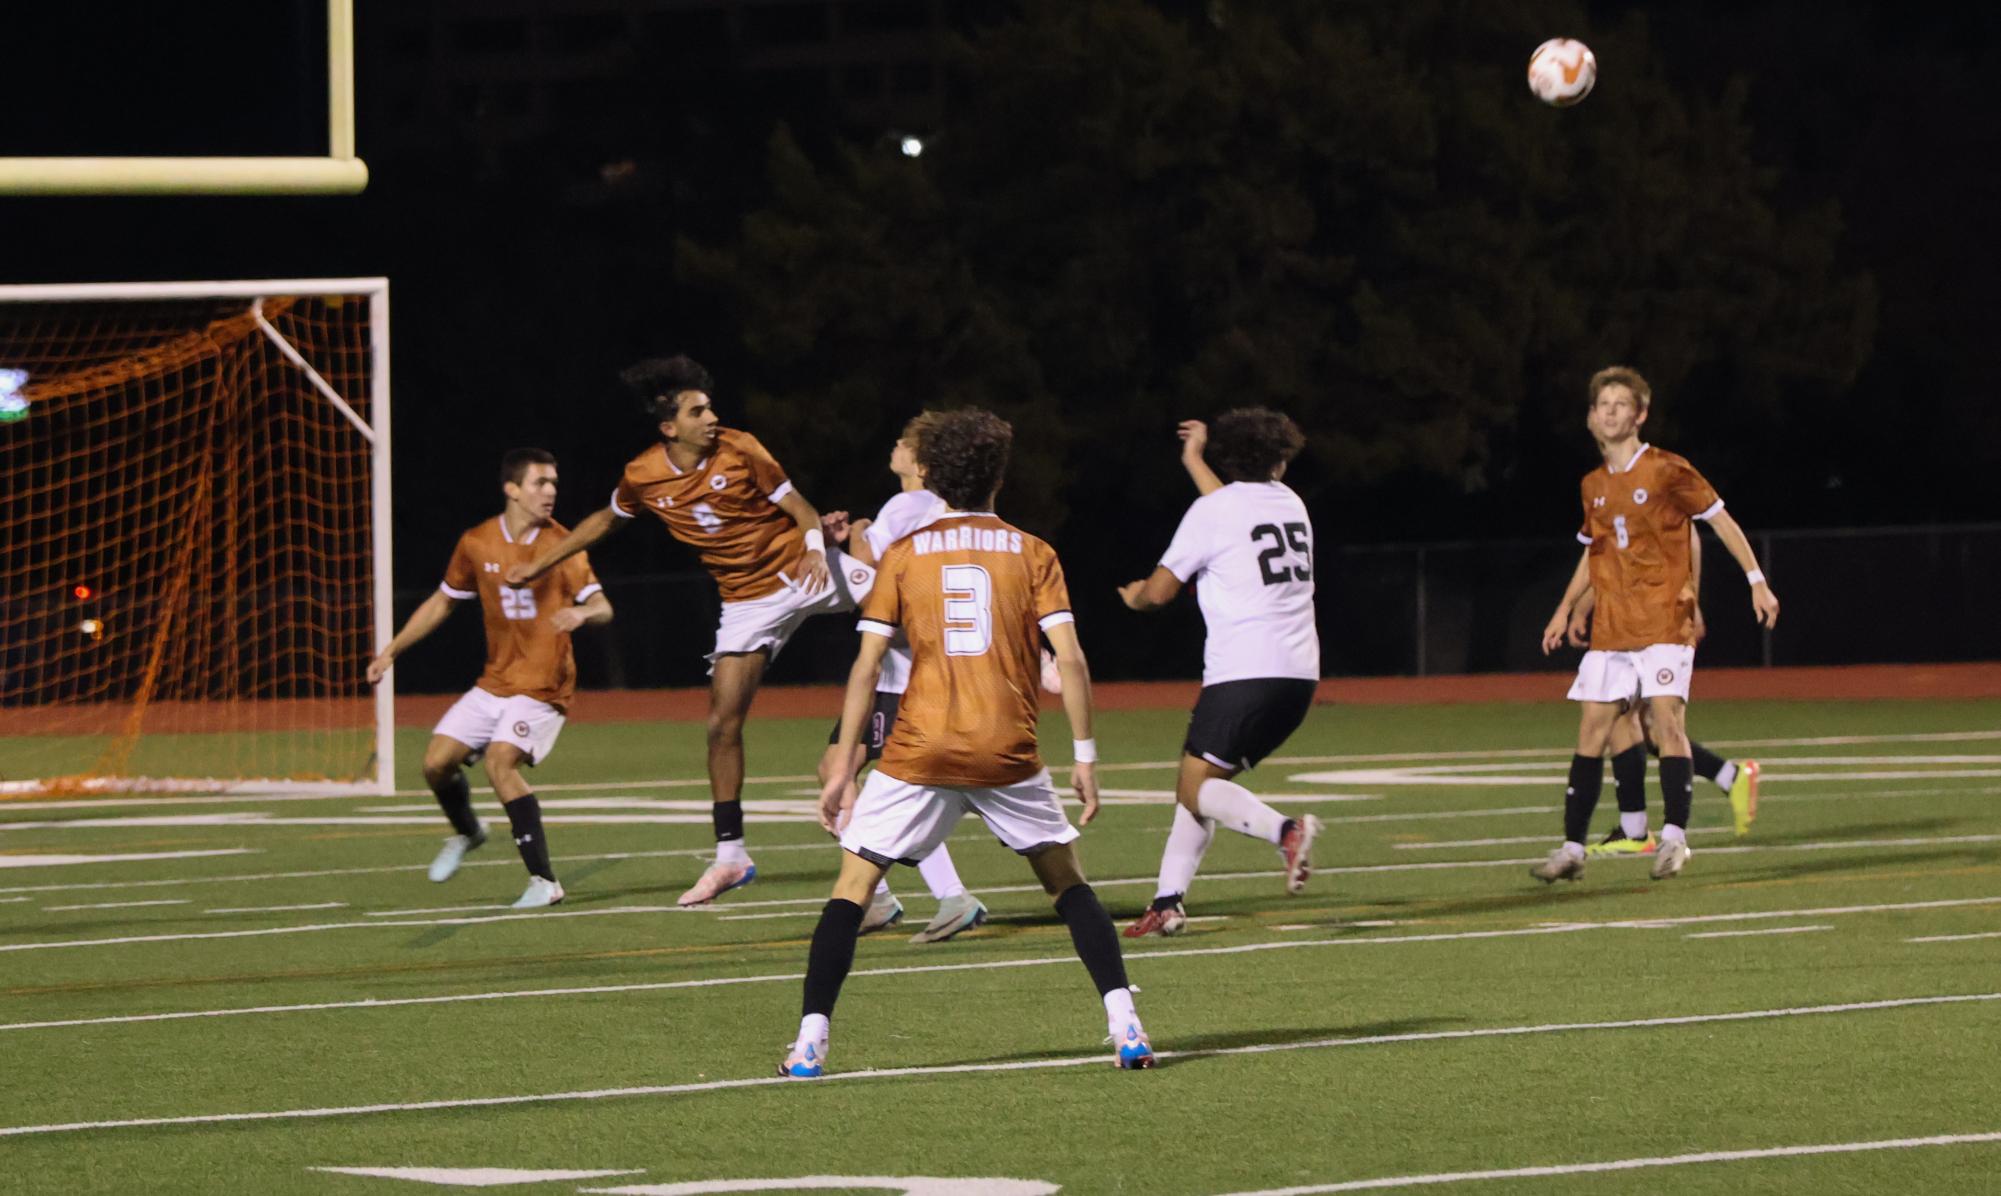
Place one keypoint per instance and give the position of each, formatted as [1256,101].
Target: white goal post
[183,565]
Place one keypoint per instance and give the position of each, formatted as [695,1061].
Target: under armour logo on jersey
[1640,496]
[1598,502]
[718,481]
[492,567]
[663,502]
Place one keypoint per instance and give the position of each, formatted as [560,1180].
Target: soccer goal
[194,563]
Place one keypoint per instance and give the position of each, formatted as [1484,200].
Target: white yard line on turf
[1956,938]
[1738,934]
[1095,1059]
[1512,840]
[279,909]
[1678,1160]
[992,965]
[57,909]
[54,861]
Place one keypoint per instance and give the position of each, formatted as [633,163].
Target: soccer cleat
[1135,1052]
[719,879]
[1669,859]
[883,910]
[539,893]
[453,853]
[1619,843]
[808,1061]
[962,912]
[1744,795]
[1297,851]
[1169,921]
[1561,865]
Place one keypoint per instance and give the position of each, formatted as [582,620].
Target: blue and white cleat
[806,1062]
[719,879]
[454,852]
[1135,1052]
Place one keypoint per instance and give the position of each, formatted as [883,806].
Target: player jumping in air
[1247,544]
[513,714]
[1636,561]
[866,540]
[973,595]
[721,493]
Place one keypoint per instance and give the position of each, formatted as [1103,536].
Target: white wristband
[816,541]
[1084,751]
[1755,576]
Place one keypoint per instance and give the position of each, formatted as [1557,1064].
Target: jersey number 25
[1293,536]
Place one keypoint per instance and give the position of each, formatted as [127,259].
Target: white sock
[1634,824]
[938,872]
[732,851]
[813,1029]
[1119,1011]
[882,885]
[1670,833]
[1726,776]
[1573,850]
[1187,840]
[1239,809]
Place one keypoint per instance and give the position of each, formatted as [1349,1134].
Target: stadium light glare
[911,146]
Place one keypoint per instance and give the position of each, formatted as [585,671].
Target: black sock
[1169,901]
[1629,780]
[1677,790]
[454,795]
[525,814]
[831,956]
[1707,763]
[1587,777]
[728,817]
[1094,936]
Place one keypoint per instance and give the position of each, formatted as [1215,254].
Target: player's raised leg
[1737,778]
[445,760]
[732,687]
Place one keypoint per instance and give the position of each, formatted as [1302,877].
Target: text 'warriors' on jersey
[1248,547]
[525,654]
[726,508]
[1636,528]
[973,594]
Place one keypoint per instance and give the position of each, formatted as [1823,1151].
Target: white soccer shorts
[765,624]
[480,718]
[895,821]
[1655,671]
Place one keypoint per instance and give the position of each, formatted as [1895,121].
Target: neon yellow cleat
[1617,843]
[1744,796]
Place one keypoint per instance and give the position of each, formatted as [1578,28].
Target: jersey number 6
[1294,536]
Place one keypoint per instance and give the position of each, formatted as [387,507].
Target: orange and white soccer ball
[1561,71]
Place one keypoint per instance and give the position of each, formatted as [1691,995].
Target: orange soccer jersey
[726,508]
[524,654]
[1636,529]
[972,594]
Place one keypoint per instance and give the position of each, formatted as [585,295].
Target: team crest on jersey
[1640,496]
[1665,676]
[521,729]
[857,576]
[718,481]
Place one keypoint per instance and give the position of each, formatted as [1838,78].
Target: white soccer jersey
[1248,547]
[899,517]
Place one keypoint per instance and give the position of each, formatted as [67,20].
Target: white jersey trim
[1715,509]
[584,595]
[461,595]
[1056,619]
[617,510]
[777,496]
[1584,539]
[872,627]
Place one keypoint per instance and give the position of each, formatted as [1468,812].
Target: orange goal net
[194,559]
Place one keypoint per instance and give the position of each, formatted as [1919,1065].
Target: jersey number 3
[969,610]
[1293,536]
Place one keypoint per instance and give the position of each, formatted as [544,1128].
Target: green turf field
[1771,1021]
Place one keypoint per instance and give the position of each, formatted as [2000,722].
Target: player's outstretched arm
[816,577]
[855,708]
[595,527]
[1151,592]
[1194,438]
[1077,705]
[422,622]
[1764,603]
[1559,623]
[594,611]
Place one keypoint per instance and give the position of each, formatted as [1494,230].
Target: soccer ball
[1561,71]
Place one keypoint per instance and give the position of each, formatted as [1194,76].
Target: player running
[972,594]
[721,493]
[1247,544]
[866,540]
[513,713]
[1636,561]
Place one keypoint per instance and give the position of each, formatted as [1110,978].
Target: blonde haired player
[1637,509]
[513,713]
[866,540]
[974,595]
[718,491]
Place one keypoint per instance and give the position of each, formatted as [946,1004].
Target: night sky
[512,300]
